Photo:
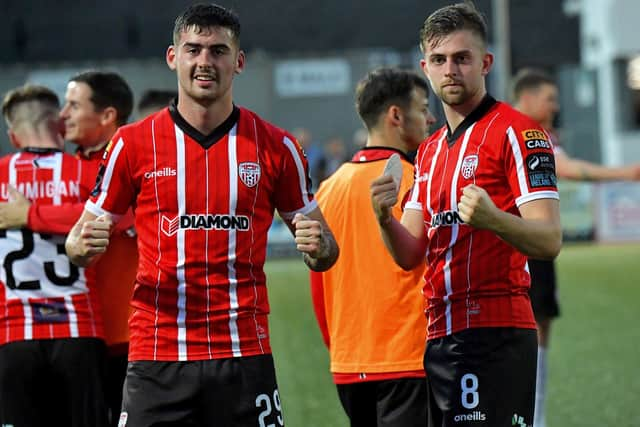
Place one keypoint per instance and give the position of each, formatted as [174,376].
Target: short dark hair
[27,93]
[529,79]
[203,16]
[155,99]
[456,17]
[108,89]
[384,87]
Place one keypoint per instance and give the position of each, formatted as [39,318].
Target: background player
[153,100]
[368,308]
[96,104]
[51,336]
[206,177]
[481,203]
[535,94]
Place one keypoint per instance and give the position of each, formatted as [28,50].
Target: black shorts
[116,371]
[389,403]
[482,377]
[543,292]
[238,392]
[54,382]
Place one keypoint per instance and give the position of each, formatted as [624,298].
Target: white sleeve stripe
[108,173]
[536,195]
[302,176]
[517,154]
[97,211]
[303,210]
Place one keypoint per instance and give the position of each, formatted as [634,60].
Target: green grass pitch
[594,357]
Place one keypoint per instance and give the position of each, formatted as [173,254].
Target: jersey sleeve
[415,197]
[54,219]
[114,192]
[293,187]
[529,163]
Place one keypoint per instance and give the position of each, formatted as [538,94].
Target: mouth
[204,79]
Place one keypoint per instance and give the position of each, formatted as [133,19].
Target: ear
[108,116]
[13,138]
[394,115]
[171,57]
[423,65]
[487,62]
[240,62]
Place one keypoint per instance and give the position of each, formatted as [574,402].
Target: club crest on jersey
[249,173]
[469,166]
[204,222]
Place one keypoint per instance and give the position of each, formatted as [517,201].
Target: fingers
[14,194]
[308,234]
[95,235]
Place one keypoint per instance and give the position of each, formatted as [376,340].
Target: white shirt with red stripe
[475,279]
[44,296]
[203,206]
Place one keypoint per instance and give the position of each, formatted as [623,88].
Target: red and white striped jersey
[203,206]
[43,295]
[475,279]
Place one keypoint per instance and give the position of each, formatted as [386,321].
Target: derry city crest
[469,166]
[249,173]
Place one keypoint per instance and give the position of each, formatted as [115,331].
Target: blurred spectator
[153,100]
[335,155]
[314,153]
[359,138]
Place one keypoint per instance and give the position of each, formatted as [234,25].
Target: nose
[450,67]
[64,113]
[430,118]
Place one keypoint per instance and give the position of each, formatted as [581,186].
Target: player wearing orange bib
[370,310]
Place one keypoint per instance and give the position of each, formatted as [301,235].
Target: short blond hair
[28,106]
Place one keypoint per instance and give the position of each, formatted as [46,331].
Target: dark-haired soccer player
[205,177]
[153,100]
[368,308]
[483,201]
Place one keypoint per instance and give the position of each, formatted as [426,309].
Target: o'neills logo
[204,222]
[472,416]
[167,171]
[446,218]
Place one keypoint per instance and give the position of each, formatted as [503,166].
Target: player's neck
[455,114]
[385,139]
[205,118]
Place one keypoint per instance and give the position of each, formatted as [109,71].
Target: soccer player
[51,335]
[153,100]
[483,200]
[205,176]
[96,104]
[535,94]
[368,308]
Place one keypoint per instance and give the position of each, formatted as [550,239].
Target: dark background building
[71,30]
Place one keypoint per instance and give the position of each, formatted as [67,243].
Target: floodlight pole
[502,48]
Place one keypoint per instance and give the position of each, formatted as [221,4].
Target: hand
[94,236]
[476,207]
[384,195]
[15,212]
[308,236]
